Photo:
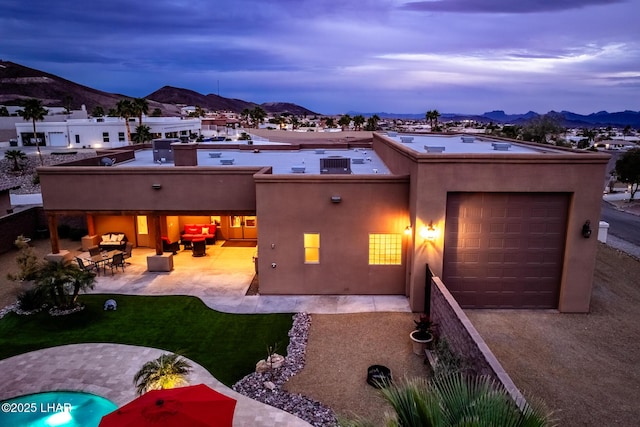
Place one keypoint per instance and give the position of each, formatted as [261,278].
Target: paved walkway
[107,370]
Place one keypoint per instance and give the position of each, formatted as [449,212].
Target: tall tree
[139,107]
[4,112]
[358,121]
[34,111]
[66,103]
[628,170]
[258,115]
[538,129]
[167,371]
[372,123]
[124,110]
[97,111]
[345,121]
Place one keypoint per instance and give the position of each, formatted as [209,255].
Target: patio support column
[91,225]
[160,261]
[52,219]
[56,254]
[157,230]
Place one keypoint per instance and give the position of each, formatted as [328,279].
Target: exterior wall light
[586,229]
[156,186]
[429,232]
[336,199]
[407,230]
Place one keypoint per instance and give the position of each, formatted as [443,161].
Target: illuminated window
[311,248]
[385,249]
[142,225]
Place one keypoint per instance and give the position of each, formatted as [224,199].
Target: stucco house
[102,132]
[502,223]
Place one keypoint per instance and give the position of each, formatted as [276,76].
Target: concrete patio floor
[221,280]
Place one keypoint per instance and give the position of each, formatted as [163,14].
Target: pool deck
[107,370]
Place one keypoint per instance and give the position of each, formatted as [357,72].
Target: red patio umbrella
[192,406]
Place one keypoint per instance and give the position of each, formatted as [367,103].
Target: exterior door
[505,250]
[243,227]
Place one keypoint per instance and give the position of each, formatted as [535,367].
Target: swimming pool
[55,409]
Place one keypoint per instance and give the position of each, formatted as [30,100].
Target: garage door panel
[507,248]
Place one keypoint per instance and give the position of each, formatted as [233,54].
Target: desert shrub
[31,299]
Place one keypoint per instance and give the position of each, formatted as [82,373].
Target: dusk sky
[334,56]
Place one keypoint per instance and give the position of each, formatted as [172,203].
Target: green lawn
[227,345]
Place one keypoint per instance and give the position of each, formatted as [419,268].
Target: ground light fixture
[156,186]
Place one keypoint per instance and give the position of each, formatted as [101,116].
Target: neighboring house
[102,132]
[500,222]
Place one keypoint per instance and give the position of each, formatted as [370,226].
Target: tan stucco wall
[183,189]
[289,206]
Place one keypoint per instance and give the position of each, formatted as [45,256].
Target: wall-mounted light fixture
[156,186]
[428,232]
[407,230]
[336,199]
[586,229]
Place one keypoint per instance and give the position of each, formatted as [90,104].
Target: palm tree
[329,122]
[456,400]
[63,281]
[258,115]
[142,135]
[345,121]
[124,110]
[15,156]
[97,111]
[167,371]
[358,121]
[34,111]
[372,123]
[139,106]
[432,116]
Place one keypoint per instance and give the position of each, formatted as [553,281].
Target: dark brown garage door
[505,250]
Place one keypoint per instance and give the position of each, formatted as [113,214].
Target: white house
[102,132]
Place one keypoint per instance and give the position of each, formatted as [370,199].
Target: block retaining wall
[465,341]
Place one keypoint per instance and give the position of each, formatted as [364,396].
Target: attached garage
[57,139]
[505,250]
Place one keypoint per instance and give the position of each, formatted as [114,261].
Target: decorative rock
[269,385]
[254,386]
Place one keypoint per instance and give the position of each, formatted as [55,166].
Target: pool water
[55,409]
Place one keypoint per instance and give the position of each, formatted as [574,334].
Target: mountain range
[18,82]
[567,118]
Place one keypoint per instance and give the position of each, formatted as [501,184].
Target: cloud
[503,6]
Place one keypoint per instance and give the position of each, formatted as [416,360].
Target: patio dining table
[103,258]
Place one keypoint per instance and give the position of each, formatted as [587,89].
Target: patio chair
[116,261]
[94,250]
[127,251]
[169,246]
[199,247]
[86,267]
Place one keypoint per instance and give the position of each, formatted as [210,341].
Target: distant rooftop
[463,144]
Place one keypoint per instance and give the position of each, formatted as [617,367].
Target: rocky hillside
[18,82]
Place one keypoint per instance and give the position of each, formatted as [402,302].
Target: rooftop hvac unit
[335,165]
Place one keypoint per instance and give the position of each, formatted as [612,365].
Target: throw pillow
[120,237]
[191,230]
[114,237]
[106,238]
[205,230]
